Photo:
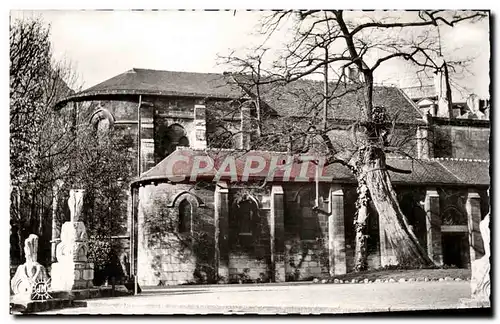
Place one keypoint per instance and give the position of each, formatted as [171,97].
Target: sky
[102,44]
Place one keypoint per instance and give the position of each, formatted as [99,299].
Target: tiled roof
[298,98]
[164,83]
[289,100]
[428,172]
[418,92]
[468,171]
[169,166]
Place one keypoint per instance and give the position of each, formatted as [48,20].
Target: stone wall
[165,255]
[466,142]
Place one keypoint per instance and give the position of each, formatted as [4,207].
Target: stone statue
[72,269]
[30,272]
[480,281]
[75,203]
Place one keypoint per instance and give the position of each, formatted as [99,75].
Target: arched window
[176,136]
[102,121]
[185,216]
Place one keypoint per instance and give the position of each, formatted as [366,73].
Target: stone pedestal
[72,271]
[277,233]
[336,232]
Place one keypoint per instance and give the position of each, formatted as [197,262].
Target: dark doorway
[455,249]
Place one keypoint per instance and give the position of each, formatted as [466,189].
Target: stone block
[313,264]
[72,251]
[88,274]
[82,284]
[77,274]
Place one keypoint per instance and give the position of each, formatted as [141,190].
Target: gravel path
[312,298]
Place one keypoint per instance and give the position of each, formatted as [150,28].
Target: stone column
[72,271]
[277,233]
[336,232]
[55,230]
[247,125]
[433,221]
[473,207]
[221,222]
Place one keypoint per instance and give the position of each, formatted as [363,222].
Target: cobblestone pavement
[293,298]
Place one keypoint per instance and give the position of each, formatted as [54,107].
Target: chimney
[443,91]
[247,125]
[200,127]
[424,142]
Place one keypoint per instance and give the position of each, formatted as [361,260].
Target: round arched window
[102,121]
[175,136]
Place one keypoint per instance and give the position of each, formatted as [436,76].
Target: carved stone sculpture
[75,203]
[480,281]
[72,271]
[30,272]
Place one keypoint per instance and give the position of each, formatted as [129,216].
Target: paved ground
[309,298]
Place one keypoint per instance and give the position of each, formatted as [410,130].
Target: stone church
[225,229]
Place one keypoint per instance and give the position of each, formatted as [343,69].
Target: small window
[185,216]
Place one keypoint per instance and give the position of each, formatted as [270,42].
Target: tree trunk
[20,243]
[408,251]
[360,227]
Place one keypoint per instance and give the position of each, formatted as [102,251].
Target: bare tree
[39,137]
[362,42]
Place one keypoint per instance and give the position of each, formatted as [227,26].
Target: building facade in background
[259,230]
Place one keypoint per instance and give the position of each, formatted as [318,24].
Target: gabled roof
[163,83]
[423,172]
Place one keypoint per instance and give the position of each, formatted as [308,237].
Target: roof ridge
[173,71]
[185,148]
[437,159]
[412,103]
[459,159]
